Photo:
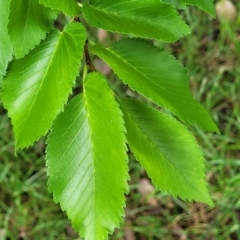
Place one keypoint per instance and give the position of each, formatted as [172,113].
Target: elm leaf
[148,19]
[5,44]
[167,150]
[87,160]
[158,76]
[29,23]
[69,7]
[37,86]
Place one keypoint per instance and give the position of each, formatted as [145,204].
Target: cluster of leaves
[86,147]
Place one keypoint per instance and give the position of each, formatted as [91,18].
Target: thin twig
[88,59]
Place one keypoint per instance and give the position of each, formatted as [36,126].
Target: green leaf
[167,150]
[87,161]
[69,7]
[37,86]
[205,5]
[150,19]
[176,3]
[28,24]
[5,44]
[157,75]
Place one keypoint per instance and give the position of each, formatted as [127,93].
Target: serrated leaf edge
[146,95]
[39,40]
[57,9]
[187,28]
[203,167]
[26,145]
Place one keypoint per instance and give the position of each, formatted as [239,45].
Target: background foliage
[28,211]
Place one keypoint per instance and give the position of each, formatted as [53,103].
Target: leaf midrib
[25,28]
[43,79]
[93,211]
[144,20]
[145,77]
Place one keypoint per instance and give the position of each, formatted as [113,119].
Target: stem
[88,59]
[85,71]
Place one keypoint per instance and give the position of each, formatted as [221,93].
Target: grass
[27,210]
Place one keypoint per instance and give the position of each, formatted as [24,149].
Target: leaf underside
[37,86]
[167,150]
[5,44]
[149,19]
[29,23]
[87,161]
[69,7]
[205,5]
[157,75]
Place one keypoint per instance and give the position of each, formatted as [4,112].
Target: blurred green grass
[27,210]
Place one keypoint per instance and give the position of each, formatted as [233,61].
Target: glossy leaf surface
[167,150]
[205,5]
[157,75]
[29,22]
[150,19]
[69,7]
[87,161]
[5,44]
[37,86]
